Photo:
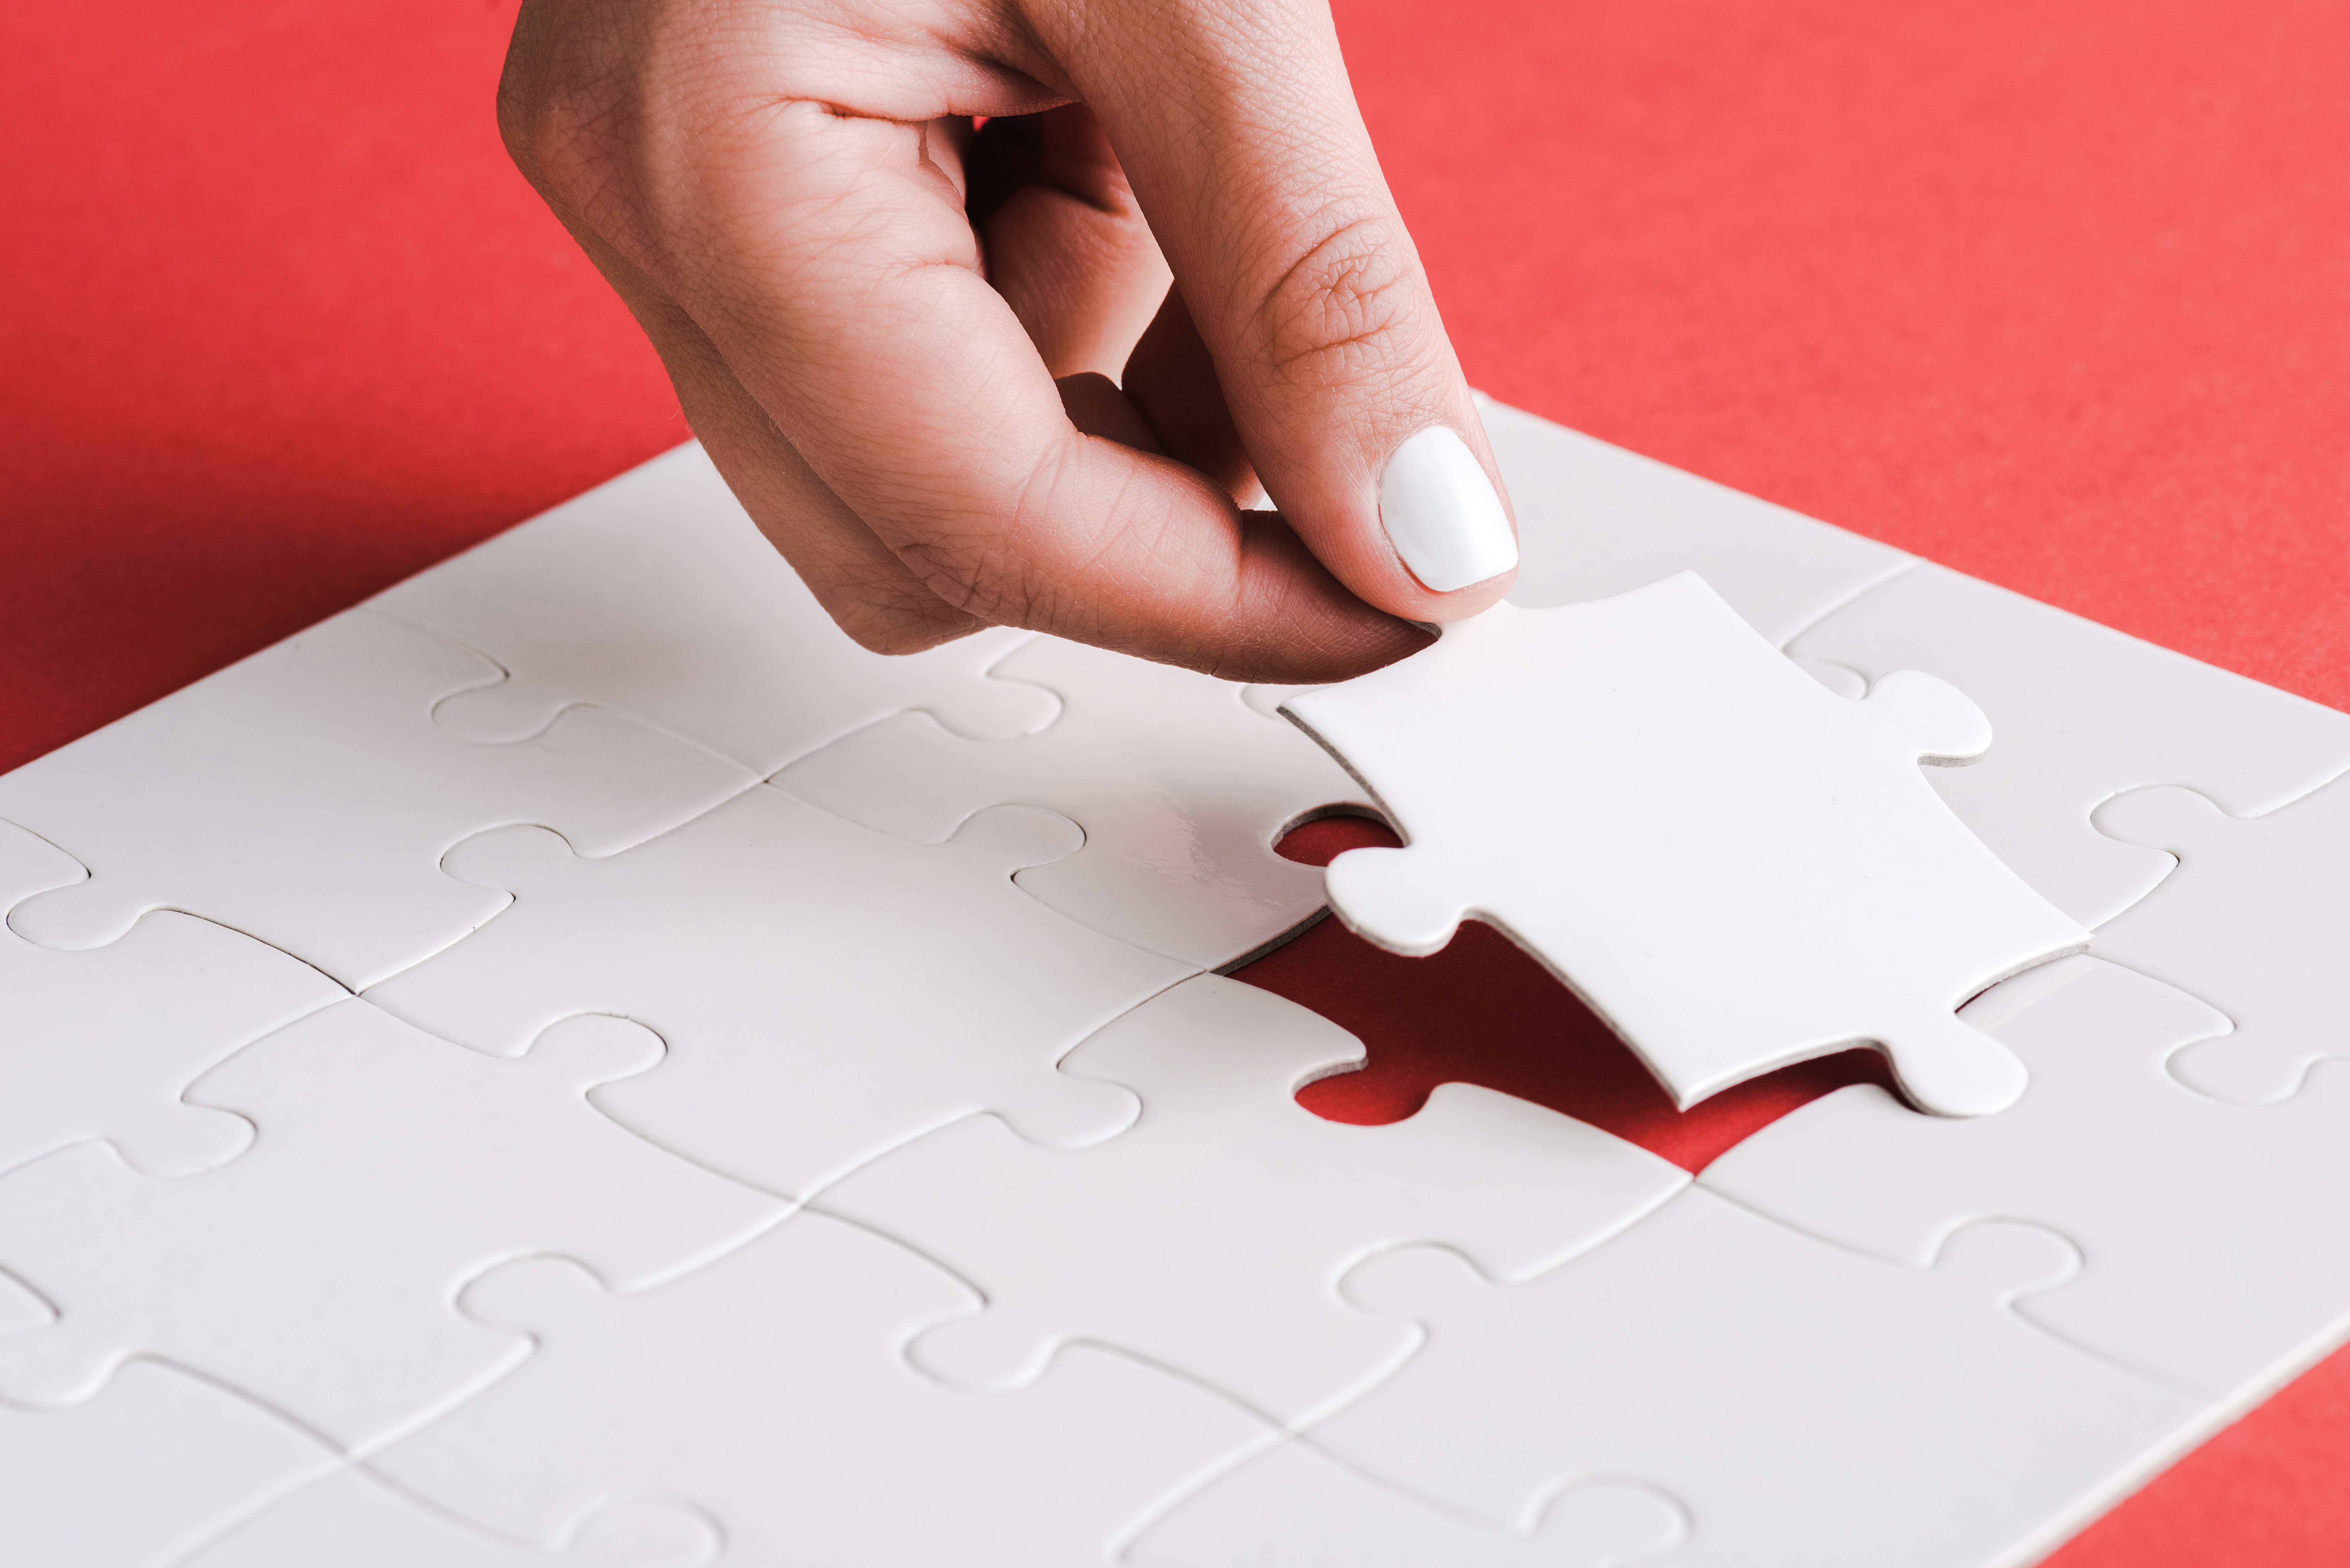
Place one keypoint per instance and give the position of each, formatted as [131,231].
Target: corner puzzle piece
[1806,1404]
[655,595]
[1734,867]
[304,796]
[771,1389]
[99,1043]
[315,1273]
[1594,520]
[2080,712]
[2200,1222]
[147,1466]
[1209,1236]
[2255,920]
[355,1520]
[1181,788]
[1295,1506]
[827,992]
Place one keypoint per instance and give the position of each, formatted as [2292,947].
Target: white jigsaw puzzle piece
[2080,712]
[355,1520]
[771,1389]
[1181,788]
[655,595]
[2255,920]
[148,1466]
[1595,520]
[317,1270]
[99,1043]
[1734,867]
[304,796]
[827,992]
[1295,1506]
[1210,1236]
[1807,1405]
[2206,1226]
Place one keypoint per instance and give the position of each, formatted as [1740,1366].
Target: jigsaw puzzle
[1182,787]
[1736,868]
[827,992]
[1211,1234]
[1687,1352]
[2255,920]
[305,797]
[786,1117]
[2203,1272]
[313,1272]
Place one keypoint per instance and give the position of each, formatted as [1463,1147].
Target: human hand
[896,335]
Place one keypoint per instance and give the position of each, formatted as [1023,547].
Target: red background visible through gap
[2051,293]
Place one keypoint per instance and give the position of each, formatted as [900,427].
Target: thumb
[1239,131]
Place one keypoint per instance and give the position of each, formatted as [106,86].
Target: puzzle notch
[655,595]
[1181,787]
[305,797]
[1210,1236]
[316,1271]
[2255,920]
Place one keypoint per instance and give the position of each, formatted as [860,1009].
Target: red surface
[2051,294]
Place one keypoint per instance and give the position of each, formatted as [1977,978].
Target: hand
[896,335]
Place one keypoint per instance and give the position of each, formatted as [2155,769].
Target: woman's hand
[898,335]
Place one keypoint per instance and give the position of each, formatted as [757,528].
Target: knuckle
[1344,307]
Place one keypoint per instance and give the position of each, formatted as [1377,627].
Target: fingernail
[1441,514]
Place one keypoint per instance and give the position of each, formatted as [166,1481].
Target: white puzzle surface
[574,1063]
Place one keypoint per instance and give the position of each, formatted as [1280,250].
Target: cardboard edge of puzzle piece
[655,595]
[1835,808]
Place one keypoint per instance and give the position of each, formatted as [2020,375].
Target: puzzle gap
[1483,1010]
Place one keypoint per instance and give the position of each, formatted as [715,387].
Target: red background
[2054,295]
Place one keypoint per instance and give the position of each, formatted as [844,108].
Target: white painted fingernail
[1441,514]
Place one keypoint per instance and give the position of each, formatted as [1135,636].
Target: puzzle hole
[1482,1011]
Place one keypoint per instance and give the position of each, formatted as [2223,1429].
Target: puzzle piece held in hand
[1734,867]
[148,1466]
[354,1520]
[316,1272]
[1295,1505]
[771,1389]
[2081,711]
[305,797]
[1181,789]
[1806,1404]
[1209,1236]
[99,1043]
[2255,922]
[655,595]
[2202,1222]
[827,992]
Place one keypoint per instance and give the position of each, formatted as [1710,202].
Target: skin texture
[1027,372]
